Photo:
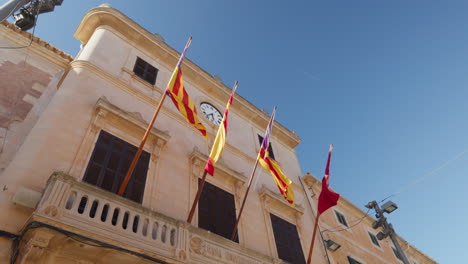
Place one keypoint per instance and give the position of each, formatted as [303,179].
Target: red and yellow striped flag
[220,140]
[180,98]
[281,180]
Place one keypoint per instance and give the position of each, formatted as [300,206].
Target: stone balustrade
[90,210]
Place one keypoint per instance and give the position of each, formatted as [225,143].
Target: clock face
[211,113]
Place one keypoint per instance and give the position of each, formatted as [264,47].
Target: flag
[220,140]
[180,98]
[273,167]
[327,197]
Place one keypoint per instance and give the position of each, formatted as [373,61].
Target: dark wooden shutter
[109,163]
[270,148]
[217,211]
[145,71]
[287,241]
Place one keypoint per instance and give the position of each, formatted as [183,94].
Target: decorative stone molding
[104,108]
[270,198]
[127,125]
[199,159]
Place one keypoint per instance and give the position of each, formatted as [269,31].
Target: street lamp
[389,207]
[332,245]
[388,230]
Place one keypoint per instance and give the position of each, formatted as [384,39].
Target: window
[270,149]
[109,163]
[374,239]
[353,261]
[341,218]
[287,240]
[397,254]
[145,71]
[217,211]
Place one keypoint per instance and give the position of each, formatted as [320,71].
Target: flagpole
[197,197]
[313,239]
[123,186]
[202,183]
[234,231]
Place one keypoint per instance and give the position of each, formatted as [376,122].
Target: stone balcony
[75,216]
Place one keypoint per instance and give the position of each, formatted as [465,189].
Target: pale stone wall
[27,84]
[28,81]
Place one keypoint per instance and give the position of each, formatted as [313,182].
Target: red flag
[327,197]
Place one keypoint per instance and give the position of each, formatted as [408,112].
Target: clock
[211,113]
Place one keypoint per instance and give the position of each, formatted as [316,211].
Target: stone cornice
[25,38]
[104,105]
[105,16]
[267,195]
[197,156]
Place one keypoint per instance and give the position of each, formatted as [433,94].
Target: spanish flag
[220,140]
[180,98]
[273,167]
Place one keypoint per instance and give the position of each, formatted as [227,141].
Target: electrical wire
[85,242]
[32,33]
[12,10]
[404,188]
[349,227]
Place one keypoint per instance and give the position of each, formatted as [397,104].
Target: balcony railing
[109,217]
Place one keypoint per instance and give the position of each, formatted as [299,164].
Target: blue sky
[384,81]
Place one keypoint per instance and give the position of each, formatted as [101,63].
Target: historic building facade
[69,130]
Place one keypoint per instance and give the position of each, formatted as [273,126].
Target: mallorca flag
[327,197]
[220,140]
[270,165]
[180,98]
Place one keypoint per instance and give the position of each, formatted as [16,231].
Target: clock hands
[211,113]
[212,117]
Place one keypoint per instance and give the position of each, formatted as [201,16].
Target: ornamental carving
[182,255]
[196,245]
[51,210]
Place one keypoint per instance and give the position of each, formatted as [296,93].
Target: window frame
[297,234]
[129,127]
[201,203]
[352,260]
[374,239]
[340,216]
[145,71]
[105,166]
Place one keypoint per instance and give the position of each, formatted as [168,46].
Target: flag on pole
[180,98]
[327,197]
[220,140]
[273,167]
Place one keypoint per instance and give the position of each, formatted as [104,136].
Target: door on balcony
[217,211]
[288,244]
[109,163]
